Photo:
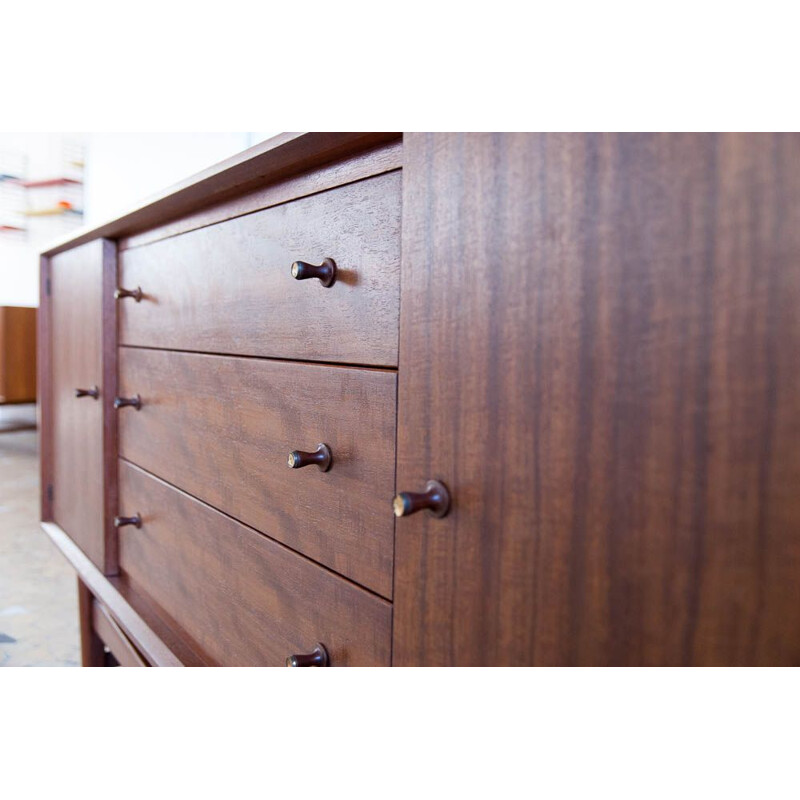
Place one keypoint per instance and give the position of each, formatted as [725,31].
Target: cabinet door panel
[76,361]
[598,353]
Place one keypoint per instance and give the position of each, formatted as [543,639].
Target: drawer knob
[121,402]
[93,392]
[318,657]
[435,498]
[322,457]
[326,271]
[136,293]
[121,522]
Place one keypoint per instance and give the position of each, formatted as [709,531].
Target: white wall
[125,168]
[19,254]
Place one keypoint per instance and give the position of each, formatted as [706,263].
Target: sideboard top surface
[271,161]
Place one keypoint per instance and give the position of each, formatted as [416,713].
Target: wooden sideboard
[435,399]
[17,354]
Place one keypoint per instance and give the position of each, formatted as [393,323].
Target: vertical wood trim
[92,651]
[110,382]
[44,391]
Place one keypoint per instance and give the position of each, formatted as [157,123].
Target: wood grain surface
[76,279]
[107,628]
[598,355]
[242,599]
[222,428]
[110,434]
[228,288]
[92,652]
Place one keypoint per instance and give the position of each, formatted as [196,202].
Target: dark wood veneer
[598,355]
[17,354]
[222,429]
[598,337]
[229,288]
[109,631]
[242,599]
[44,390]
[110,437]
[277,159]
[374,161]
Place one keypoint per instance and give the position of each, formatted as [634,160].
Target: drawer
[74,433]
[238,598]
[221,429]
[228,288]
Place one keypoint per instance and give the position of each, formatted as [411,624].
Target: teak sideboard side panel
[598,354]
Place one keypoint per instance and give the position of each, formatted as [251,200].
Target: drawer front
[228,288]
[221,429]
[239,598]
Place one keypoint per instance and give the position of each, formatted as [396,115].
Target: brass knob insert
[135,520]
[135,402]
[435,498]
[322,457]
[136,293]
[93,392]
[318,657]
[326,271]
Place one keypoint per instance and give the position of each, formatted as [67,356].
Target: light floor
[38,594]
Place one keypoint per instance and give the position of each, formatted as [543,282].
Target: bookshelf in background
[41,200]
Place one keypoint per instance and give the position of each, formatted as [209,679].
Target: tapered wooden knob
[136,293]
[318,657]
[134,402]
[93,392]
[435,499]
[121,522]
[322,457]
[326,271]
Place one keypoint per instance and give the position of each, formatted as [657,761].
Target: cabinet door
[77,430]
[598,355]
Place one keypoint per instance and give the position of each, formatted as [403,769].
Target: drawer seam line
[256,531]
[345,364]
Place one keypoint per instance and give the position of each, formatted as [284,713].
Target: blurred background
[50,185]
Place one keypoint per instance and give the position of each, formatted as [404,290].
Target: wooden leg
[92,650]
